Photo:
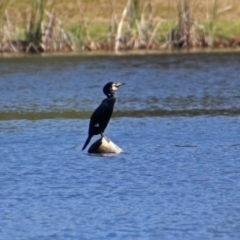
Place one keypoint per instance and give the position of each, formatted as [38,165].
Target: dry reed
[137,28]
[45,33]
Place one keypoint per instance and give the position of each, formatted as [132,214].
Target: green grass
[34,33]
[227,29]
[163,30]
[96,32]
[99,31]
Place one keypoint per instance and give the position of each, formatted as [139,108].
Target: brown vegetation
[50,26]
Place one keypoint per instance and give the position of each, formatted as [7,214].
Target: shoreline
[6,55]
[98,47]
[16,47]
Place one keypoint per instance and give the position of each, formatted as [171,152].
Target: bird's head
[110,88]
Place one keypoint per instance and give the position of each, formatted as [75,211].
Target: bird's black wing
[97,115]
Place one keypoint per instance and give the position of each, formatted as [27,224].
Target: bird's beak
[117,85]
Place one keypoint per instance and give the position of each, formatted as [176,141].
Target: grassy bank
[57,25]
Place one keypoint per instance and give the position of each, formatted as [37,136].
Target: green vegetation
[51,25]
[227,29]
[212,23]
[34,33]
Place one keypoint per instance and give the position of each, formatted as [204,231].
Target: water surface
[177,119]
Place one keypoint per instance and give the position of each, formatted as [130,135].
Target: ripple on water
[177,119]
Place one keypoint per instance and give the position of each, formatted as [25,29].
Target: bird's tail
[87,142]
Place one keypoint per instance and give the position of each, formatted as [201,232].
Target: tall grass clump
[43,33]
[91,37]
[212,22]
[135,29]
[34,33]
[188,33]
[54,37]
[81,29]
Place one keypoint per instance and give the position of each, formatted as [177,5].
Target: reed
[170,36]
[188,33]
[112,25]
[34,33]
[129,25]
[45,32]
[82,29]
[3,7]
[212,22]
[182,36]
[136,29]
[54,37]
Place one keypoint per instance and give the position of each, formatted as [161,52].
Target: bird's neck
[111,95]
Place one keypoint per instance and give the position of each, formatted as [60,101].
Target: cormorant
[101,116]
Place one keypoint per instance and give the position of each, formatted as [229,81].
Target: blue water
[179,175]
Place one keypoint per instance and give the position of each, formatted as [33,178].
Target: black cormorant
[101,116]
